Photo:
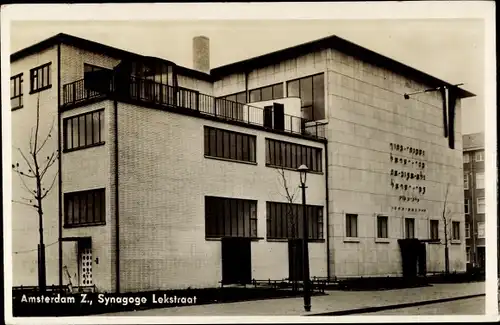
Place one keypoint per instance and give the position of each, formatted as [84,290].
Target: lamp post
[303,169]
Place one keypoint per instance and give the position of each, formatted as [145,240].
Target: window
[84,130]
[284,221]
[480,230]
[85,208]
[16,91]
[466,206]
[228,217]
[312,94]
[40,78]
[479,180]
[292,155]
[382,227]
[351,225]
[466,181]
[409,228]
[479,156]
[467,230]
[240,97]
[467,252]
[481,205]
[267,93]
[455,233]
[466,158]
[434,225]
[229,145]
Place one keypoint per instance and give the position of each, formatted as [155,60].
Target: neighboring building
[474,199]
[169,176]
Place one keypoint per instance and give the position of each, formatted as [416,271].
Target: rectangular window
[434,229]
[481,205]
[467,230]
[16,91]
[466,181]
[311,91]
[467,252]
[292,155]
[84,130]
[479,180]
[229,145]
[455,233]
[466,158]
[466,206]
[40,78]
[266,93]
[228,217]
[351,225]
[85,208]
[480,230]
[382,227]
[284,221]
[409,228]
[479,155]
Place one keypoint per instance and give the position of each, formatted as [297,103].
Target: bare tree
[32,173]
[445,216]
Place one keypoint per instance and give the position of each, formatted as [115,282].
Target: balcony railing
[151,92]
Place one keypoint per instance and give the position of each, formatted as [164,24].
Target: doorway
[236,261]
[295,260]
[85,264]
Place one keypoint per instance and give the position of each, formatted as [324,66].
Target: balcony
[187,101]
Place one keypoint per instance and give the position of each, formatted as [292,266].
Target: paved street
[472,306]
[334,301]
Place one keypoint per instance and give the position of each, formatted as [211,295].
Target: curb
[396,306]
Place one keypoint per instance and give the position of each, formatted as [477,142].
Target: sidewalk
[334,301]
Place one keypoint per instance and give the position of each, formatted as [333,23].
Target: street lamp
[303,169]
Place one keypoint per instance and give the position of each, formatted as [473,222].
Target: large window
[229,145]
[479,155]
[382,227]
[40,78]
[479,180]
[351,225]
[267,93]
[481,205]
[434,229]
[311,91]
[455,233]
[228,217]
[466,206]
[466,181]
[409,228]
[16,91]
[284,221]
[85,208]
[292,155]
[84,130]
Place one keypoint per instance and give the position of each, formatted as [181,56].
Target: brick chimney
[201,53]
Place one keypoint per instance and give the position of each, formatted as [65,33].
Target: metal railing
[148,91]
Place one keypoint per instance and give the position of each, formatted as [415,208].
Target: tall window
[466,158]
[16,91]
[228,217]
[466,206]
[292,155]
[312,94]
[479,155]
[467,252]
[479,180]
[267,93]
[351,225]
[40,78]
[85,208]
[467,230]
[409,228]
[229,145]
[434,228]
[382,227]
[455,230]
[466,181]
[480,230]
[84,130]
[284,221]
[481,205]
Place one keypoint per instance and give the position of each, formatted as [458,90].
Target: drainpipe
[327,215]
[117,208]
[60,248]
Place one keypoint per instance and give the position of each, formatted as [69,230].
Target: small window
[85,208]
[467,230]
[480,230]
[409,228]
[467,252]
[479,156]
[481,205]
[351,225]
[382,227]
[479,180]
[455,230]
[466,181]
[466,158]
[466,206]
[84,130]
[16,91]
[40,78]
[434,229]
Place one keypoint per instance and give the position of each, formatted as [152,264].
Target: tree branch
[25,185]
[20,173]
[26,160]
[50,161]
[50,187]
[47,137]
[23,203]
[37,124]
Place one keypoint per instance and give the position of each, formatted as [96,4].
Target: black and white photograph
[216,162]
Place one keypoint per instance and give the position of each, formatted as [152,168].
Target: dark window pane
[76,209]
[241,97]
[252,149]
[206,132]
[90,207]
[226,145]
[75,132]
[293,89]
[232,143]
[96,126]
[255,95]
[267,93]
[89,129]
[306,95]
[220,143]
[213,142]
[245,148]
[278,91]
[318,97]
[231,98]
[239,145]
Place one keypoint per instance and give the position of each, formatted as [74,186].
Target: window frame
[432,231]
[35,75]
[467,254]
[481,224]
[467,230]
[455,232]
[467,204]
[479,153]
[272,87]
[216,209]
[466,181]
[279,157]
[466,158]
[18,90]
[478,211]
[81,194]
[70,119]
[304,107]
[482,179]
[381,226]
[236,141]
[349,217]
[407,224]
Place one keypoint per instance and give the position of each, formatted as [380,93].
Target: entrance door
[236,261]
[85,266]
[295,260]
[481,257]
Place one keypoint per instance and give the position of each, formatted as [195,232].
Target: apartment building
[474,199]
[172,177]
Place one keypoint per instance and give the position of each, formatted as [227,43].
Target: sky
[449,49]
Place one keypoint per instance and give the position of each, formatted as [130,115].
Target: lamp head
[303,169]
